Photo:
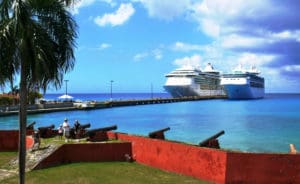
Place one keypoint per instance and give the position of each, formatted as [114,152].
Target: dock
[70,106]
[159,100]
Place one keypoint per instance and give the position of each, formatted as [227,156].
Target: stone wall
[214,165]
[87,152]
[9,139]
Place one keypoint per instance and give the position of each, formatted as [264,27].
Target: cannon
[212,142]
[30,126]
[104,129]
[46,131]
[80,131]
[84,126]
[99,134]
[158,134]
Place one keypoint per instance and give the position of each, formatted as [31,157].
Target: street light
[66,86]
[111,89]
[151,91]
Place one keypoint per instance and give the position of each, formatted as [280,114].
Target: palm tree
[37,38]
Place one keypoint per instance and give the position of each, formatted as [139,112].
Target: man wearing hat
[66,128]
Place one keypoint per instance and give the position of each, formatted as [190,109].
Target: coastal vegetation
[9,99]
[36,44]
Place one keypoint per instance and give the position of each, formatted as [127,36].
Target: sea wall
[218,166]
[9,139]
[202,163]
[92,152]
[262,168]
[212,164]
[37,106]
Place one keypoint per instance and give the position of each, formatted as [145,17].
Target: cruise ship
[191,81]
[243,84]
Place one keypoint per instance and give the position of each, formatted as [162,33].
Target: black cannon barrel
[104,129]
[46,127]
[30,126]
[203,143]
[84,126]
[151,134]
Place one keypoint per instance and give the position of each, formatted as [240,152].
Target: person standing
[77,127]
[60,131]
[66,128]
[36,140]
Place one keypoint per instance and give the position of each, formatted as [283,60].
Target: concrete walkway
[33,157]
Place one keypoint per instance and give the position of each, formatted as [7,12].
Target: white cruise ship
[191,81]
[243,84]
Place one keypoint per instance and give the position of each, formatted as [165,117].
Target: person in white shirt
[66,128]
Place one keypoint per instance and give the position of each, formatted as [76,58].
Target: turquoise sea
[263,125]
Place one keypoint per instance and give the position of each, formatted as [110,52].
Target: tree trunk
[22,124]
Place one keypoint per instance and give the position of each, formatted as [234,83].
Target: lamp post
[111,89]
[66,86]
[151,91]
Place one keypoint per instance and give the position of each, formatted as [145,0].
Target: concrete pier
[158,101]
[69,106]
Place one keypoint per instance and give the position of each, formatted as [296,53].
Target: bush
[6,100]
[32,96]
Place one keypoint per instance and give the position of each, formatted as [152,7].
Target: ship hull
[178,91]
[235,91]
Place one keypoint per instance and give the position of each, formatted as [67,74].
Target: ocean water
[262,125]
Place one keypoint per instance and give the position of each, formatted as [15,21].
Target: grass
[5,157]
[98,172]
[104,172]
[57,141]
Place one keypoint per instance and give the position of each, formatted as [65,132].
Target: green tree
[37,38]
[33,95]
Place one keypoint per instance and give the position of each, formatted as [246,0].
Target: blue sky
[136,42]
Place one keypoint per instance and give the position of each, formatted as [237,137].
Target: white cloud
[238,41]
[211,27]
[250,59]
[186,47]
[140,56]
[85,3]
[193,61]
[216,17]
[123,14]
[157,54]
[291,68]
[104,46]
[79,4]
[166,9]
[287,35]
